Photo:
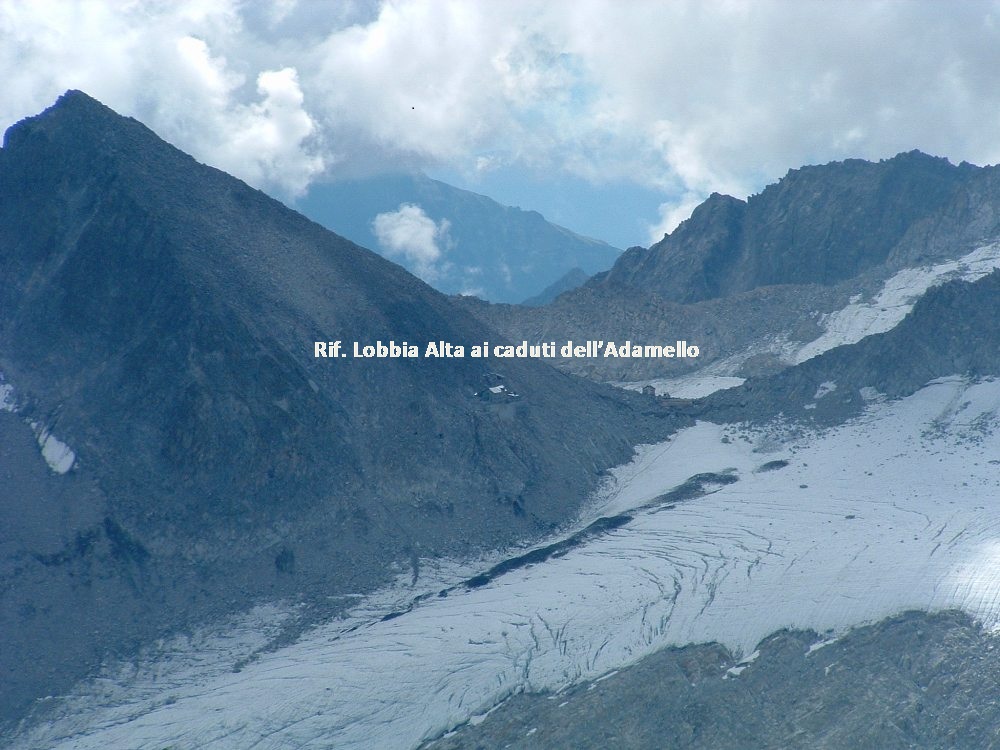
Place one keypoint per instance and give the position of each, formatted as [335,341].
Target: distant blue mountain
[572,280]
[457,241]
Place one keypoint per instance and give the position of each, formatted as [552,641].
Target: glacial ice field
[892,511]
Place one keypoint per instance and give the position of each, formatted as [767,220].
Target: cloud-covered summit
[682,98]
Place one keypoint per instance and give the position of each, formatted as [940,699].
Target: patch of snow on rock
[7,398]
[59,456]
[895,300]
[685,386]
[824,389]
[820,644]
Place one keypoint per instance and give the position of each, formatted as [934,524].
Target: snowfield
[857,320]
[895,300]
[893,511]
[59,456]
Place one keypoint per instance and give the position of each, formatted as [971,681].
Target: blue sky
[612,118]
[619,213]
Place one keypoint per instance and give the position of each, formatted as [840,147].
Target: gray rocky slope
[158,316]
[746,277]
[818,225]
[952,330]
[911,682]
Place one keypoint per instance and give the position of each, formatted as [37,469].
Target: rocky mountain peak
[78,120]
[818,224]
[159,316]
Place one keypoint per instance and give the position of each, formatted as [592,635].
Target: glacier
[822,530]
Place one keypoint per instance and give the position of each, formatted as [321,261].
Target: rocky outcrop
[916,680]
[817,225]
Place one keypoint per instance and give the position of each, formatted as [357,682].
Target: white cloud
[673,213]
[161,62]
[487,164]
[411,235]
[266,140]
[686,97]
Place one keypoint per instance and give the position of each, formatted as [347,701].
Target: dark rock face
[711,247]
[160,316]
[913,681]
[817,225]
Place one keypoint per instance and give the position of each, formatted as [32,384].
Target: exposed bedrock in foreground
[916,680]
